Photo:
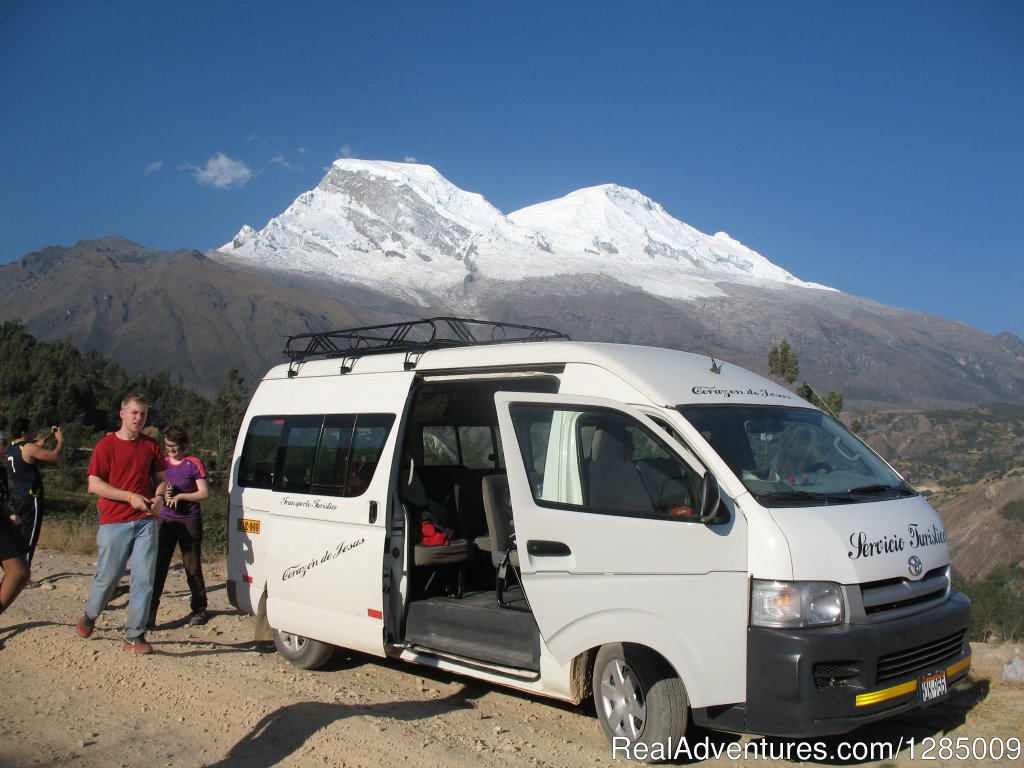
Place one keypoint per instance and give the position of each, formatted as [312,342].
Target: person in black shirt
[23,457]
[5,486]
[12,545]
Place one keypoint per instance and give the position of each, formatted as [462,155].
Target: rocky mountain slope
[156,311]
[406,225]
[388,241]
[610,263]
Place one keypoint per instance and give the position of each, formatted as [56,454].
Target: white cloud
[280,160]
[410,159]
[346,151]
[222,172]
[153,167]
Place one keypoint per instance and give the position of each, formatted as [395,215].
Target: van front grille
[922,658]
[881,597]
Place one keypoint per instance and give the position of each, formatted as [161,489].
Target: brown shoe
[137,644]
[85,626]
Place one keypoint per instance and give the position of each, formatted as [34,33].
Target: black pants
[188,535]
[30,511]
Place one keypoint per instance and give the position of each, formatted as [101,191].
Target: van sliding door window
[331,474]
[298,449]
[330,455]
[368,438]
[602,461]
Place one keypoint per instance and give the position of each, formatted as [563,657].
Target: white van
[679,538]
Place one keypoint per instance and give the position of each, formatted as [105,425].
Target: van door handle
[547,548]
[373,512]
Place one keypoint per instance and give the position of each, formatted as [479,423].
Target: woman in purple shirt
[181,523]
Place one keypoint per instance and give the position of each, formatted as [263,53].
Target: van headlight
[796,603]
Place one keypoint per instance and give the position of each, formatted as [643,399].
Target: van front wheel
[301,651]
[638,698]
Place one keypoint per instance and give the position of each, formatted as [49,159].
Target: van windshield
[790,457]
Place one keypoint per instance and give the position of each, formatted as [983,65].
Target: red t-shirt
[130,466]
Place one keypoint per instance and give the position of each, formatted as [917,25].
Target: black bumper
[816,682]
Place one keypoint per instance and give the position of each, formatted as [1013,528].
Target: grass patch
[72,519]
[70,523]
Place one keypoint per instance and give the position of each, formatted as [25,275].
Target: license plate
[248,526]
[932,687]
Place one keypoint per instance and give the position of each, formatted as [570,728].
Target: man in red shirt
[125,466]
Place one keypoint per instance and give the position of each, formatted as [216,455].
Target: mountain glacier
[404,229]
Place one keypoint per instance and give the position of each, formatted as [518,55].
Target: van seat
[614,482]
[470,503]
[500,524]
[664,483]
[457,553]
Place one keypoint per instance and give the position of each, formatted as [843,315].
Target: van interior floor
[476,627]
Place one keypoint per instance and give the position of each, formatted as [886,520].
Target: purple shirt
[183,476]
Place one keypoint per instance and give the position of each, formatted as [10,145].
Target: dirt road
[210,697]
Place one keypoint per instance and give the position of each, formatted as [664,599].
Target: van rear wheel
[301,651]
[638,698]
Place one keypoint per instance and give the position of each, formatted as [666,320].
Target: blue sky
[876,147]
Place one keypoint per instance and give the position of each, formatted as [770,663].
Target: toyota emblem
[915,566]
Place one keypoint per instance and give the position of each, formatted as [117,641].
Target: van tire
[301,651]
[638,696]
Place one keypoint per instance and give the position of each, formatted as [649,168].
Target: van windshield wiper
[805,496]
[900,489]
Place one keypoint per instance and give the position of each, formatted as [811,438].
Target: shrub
[997,605]
[1013,510]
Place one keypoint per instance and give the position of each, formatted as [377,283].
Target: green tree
[229,410]
[782,362]
[832,402]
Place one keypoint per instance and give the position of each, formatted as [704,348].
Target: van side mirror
[712,510]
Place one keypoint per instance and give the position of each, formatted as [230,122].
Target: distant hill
[180,312]
[970,463]
[198,316]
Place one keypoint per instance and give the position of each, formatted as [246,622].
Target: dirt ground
[209,696]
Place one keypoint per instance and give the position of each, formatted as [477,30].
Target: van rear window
[323,454]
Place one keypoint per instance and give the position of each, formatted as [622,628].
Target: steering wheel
[681,505]
[817,467]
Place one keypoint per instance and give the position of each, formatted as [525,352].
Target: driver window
[603,461]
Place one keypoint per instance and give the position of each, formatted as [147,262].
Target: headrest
[611,445]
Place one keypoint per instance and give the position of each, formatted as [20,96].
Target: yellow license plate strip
[867,699]
[248,526]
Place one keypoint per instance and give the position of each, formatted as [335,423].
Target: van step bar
[475,627]
[413,336]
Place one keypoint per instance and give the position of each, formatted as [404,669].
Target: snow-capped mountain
[405,228]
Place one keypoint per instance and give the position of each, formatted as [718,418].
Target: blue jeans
[117,542]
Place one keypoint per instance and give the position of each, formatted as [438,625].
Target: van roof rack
[412,336]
